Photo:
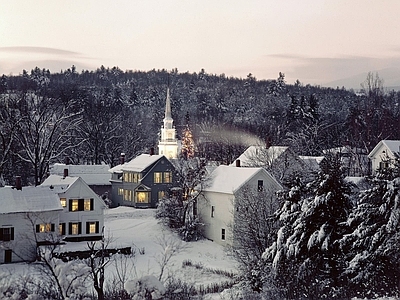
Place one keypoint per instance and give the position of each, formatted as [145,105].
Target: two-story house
[216,204]
[142,181]
[29,216]
[383,154]
[97,177]
[82,215]
[280,161]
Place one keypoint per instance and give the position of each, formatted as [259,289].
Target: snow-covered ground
[152,242]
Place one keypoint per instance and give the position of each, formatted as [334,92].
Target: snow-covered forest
[326,237]
[91,117]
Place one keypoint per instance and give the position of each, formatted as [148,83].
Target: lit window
[128,195]
[161,194]
[142,197]
[157,177]
[61,229]
[223,234]
[75,228]
[75,205]
[92,227]
[167,177]
[63,202]
[120,191]
[45,227]
[88,204]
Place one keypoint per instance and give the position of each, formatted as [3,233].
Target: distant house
[382,155]
[354,160]
[142,181]
[28,216]
[280,161]
[96,176]
[215,207]
[82,216]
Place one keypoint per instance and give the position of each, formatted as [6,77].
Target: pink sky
[314,41]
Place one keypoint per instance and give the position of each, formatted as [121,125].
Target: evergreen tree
[307,241]
[371,249]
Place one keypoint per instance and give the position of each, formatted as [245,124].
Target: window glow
[142,197]
[157,177]
[63,202]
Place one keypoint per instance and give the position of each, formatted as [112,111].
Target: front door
[7,256]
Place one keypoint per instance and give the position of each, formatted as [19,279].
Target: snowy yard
[137,228]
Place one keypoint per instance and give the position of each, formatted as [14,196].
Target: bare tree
[97,262]
[44,131]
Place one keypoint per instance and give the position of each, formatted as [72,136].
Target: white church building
[168,144]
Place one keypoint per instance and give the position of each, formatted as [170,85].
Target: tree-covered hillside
[93,116]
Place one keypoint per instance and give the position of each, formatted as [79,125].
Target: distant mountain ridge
[390,76]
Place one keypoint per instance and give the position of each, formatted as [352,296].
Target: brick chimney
[267,142]
[18,183]
[151,151]
[122,158]
[238,163]
[65,173]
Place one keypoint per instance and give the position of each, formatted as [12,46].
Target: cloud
[329,70]
[37,50]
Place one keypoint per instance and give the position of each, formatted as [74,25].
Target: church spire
[168,106]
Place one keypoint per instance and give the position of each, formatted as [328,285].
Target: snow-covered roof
[259,155]
[59,184]
[392,145]
[345,149]
[91,174]
[229,179]
[29,199]
[138,164]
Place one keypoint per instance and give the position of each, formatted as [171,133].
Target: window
[120,191]
[383,165]
[167,177]
[88,204]
[260,185]
[212,211]
[157,177]
[45,227]
[61,229]
[74,205]
[128,195]
[223,234]
[7,234]
[92,227]
[75,228]
[161,194]
[142,197]
[7,256]
[63,202]
[137,177]
[81,204]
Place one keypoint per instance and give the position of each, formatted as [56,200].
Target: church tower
[168,144]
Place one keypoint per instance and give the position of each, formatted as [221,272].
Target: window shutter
[52,227]
[63,228]
[91,204]
[97,226]
[70,205]
[81,204]
[12,233]
[1,234]
[80,228]
[87,227]
[37,228]
[70,228]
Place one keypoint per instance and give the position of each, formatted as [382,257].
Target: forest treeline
[93,116]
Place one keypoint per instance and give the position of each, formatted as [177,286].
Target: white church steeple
[168,144]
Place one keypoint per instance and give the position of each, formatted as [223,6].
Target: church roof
[168,114]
